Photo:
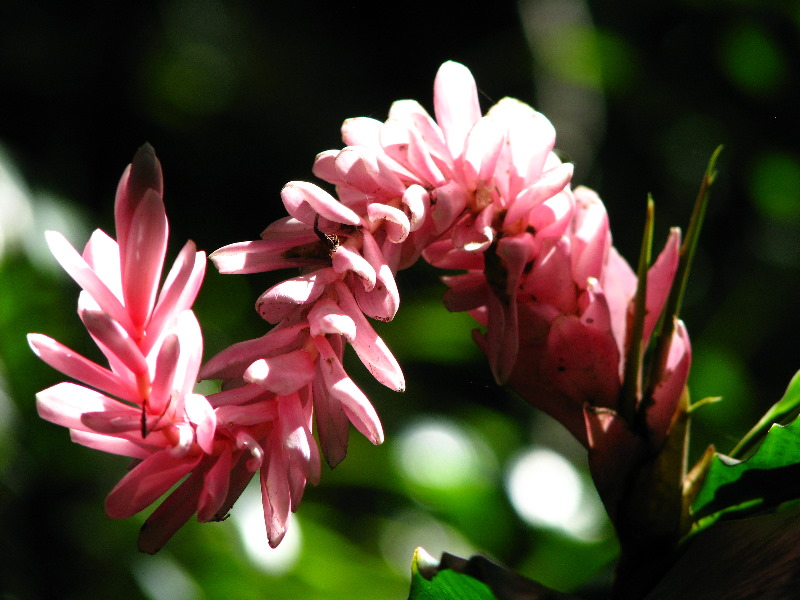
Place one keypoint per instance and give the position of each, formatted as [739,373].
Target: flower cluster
[142,405]
[481,194]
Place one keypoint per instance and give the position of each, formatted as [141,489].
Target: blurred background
[237,97]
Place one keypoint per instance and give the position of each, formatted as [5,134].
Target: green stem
[632,379]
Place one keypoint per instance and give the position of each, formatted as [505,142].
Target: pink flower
[142,404]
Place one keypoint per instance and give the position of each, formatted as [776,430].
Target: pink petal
[357,167]
[455,101]
[178,293]
[141,176]
[550,281]
[215,487]
[275,495]
[467,292]
[171,515]
[475,234]
[324,166]
[382,301]
[304,201]
[113,421]
[146,482]
[530,138]
[548,185]
[592,239]
[355,404]
[115,339]
[483,147]
[101,253]
[144,257]
[202,416]
[361,131]
[370,348]
[254,413]
[327,318]
[416,200]
[668,390]
[552,217]
[65,403]
[84,276]
[277,302]
[164,377]
[332,422]
[660,277]
[232,361]
[346,259]
[260,256]
[448,202]
[404,144]
[397,224]
[282,374]
[110,444]
[76,366]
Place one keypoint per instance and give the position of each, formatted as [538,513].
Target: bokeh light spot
[248,517]
[546,490]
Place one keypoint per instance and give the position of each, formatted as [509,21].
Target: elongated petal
[355,404]
[455,101]
[111,444]
[282,374]
[232,361]
[361,131]
[260,256]
[370,348]
[202,416]
[146,482]
[76,366]
[327,318]
[668,390]
[660,277]
[108,332]
[170,515]
[277,302]
[77,268]
[548,185]
[397,224]
[215,486]
[178,293]
[304,201]
[332,422]
[592,239]
[65,403]
[142,175]
[382,301]
[144,257]
[275,495]
[347,259]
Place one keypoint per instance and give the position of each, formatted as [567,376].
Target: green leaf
[770,477]
[785,407]
[476,578]
[443,584]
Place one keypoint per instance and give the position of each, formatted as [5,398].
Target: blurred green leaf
[762,482]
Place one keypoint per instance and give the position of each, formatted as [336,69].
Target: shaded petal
[111,444]
[660,277]
[116,340]
[216,482]
[355,404]
[345,258]
[668,390]
[202,416]
[382,301]
[147,482]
